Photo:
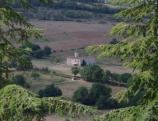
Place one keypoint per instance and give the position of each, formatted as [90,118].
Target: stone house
[76,60]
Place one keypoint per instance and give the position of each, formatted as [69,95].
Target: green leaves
[13,27]
[146,112]
[69,108]
[139,44]
[20,104]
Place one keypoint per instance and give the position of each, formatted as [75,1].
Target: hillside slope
[65,10]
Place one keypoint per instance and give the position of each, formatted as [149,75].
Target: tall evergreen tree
[139,45]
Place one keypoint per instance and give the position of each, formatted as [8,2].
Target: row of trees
[90,1]
[36,50]
[94,73]
[68,4]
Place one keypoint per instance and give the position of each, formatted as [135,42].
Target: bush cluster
[50,91]
[94,73]
[118,77]
[37,52]
[99,95]
[35,75]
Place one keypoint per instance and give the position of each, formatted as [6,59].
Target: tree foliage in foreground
[13,27]
[134,113]
[19,104]
[139,45]
[16,103]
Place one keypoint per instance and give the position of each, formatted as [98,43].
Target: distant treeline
[78,5]
[90,1]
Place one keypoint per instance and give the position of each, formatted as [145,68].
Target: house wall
[78,61]
[74,61]
[90,61]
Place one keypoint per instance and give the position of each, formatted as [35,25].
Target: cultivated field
[72,35]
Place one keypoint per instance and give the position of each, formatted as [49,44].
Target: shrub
[34,47]
[124,77]
[66,120]
[116,77]
[50,91]
[20,80]
[81,95]
[92,73]
[39,54]
[47,50]
[75,70]
[99,89]
[45,70]
[35,75]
